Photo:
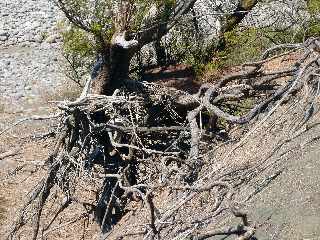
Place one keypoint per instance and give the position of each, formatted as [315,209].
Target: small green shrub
[313,6]
[44,35]
[243,107]
[80,50]
[78,42]
[241,45]
[244,45]
[298,34]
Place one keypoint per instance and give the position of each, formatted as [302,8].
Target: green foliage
[91,16]
[77,41]
[141,8]
[44,34]
[189,52]
[186,45]
[241,45]
[79,49]
[102,18]
[298,34]
[242,107]
[313,6]
[314,29]
[248,44]
[167,8]
[94,23]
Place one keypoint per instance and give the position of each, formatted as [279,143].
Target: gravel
[27,21]
[30,56]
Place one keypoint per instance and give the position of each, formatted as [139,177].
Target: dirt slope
[292,202]
[283,197]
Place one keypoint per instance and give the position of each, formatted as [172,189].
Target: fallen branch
[226,231]
[144,141]
[9,153]
[32,118]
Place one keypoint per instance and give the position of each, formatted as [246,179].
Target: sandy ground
[292,202]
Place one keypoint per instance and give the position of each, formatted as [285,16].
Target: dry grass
[62,94]
[2,209]
[281,63]
[67,91]
[2,108]
[20,174]
[277,64]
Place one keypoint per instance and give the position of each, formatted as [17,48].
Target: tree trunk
[116,67]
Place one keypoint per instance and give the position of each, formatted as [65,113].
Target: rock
[24,44]
[22,20]
[38,38]
[3,38]
[29,37]
[4,33]
[53,38]
[27,87]
[18,96]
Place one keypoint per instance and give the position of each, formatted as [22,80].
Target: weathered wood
[9,153]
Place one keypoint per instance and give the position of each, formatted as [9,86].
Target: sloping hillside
[234,158]
[272,162]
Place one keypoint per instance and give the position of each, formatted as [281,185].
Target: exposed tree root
[146,139]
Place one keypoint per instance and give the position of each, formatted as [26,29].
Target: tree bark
[116,67]
[119,52]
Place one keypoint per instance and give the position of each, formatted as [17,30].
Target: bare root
[146,139]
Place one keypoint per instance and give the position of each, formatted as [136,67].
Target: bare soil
[291,204]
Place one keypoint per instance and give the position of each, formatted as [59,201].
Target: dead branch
[226,231]
[32,118]
[146,140]
[9,153]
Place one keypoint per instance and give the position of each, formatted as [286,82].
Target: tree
[121,29]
